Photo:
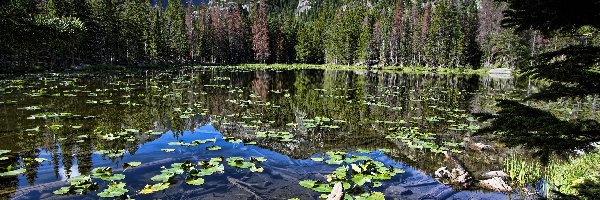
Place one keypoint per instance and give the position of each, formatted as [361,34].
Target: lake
[234,133]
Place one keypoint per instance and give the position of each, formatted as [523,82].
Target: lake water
[76,122]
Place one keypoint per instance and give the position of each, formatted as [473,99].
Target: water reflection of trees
[362,99]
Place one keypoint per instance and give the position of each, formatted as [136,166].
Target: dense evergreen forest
[442,33]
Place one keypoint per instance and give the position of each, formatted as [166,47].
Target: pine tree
[135,32]
[206,46]
[364,42]
[176,30]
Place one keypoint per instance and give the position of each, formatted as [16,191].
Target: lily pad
[195,181]
[114,190]
[148,189]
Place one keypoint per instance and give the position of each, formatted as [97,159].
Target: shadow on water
[517,124]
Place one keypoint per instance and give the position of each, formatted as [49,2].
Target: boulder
[495,184]
[493,174]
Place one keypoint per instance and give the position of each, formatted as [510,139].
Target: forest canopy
[464,34]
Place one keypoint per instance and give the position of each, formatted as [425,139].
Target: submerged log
[337,193]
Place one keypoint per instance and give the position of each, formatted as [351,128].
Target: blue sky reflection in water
[278,181]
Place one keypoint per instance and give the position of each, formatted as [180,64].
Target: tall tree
[235,28]
[397,33]
[260,32]
[176,30]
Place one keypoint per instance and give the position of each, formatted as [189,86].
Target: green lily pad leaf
[323,188]
[154,188]
[257,159]
[255,169]
[163,177]
[114,177]
[4,152]
[308,183]
[114,190]
[196,181]
[132,130]
[13,172]
[377,184]
[317,159]
[356,168]
[78,180]
[62,191]
[131,165]
[155,133]
[334,162]
[372,196]
[213,148]
[175,143]
[363,151]
[360,179]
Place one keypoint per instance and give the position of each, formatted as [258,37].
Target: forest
[463,34]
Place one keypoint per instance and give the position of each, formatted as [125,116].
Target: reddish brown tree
[397,33]
[376,40]
[236,34]
[189,24]
[260,32]
[220,42]
[280,46]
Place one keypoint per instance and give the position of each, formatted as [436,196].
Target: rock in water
[496,184]
[493,174]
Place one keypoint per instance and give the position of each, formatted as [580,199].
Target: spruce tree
[176,30]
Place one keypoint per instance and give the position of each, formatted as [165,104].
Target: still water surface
[76,122]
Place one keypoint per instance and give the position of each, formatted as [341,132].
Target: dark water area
[60,126]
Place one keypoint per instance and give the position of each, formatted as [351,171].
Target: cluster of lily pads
[357,175]
[10,170]
[194,172]
[415,139]
[85,183]
[322,122]
[282,136]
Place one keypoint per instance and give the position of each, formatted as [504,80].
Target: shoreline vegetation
[393,69]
